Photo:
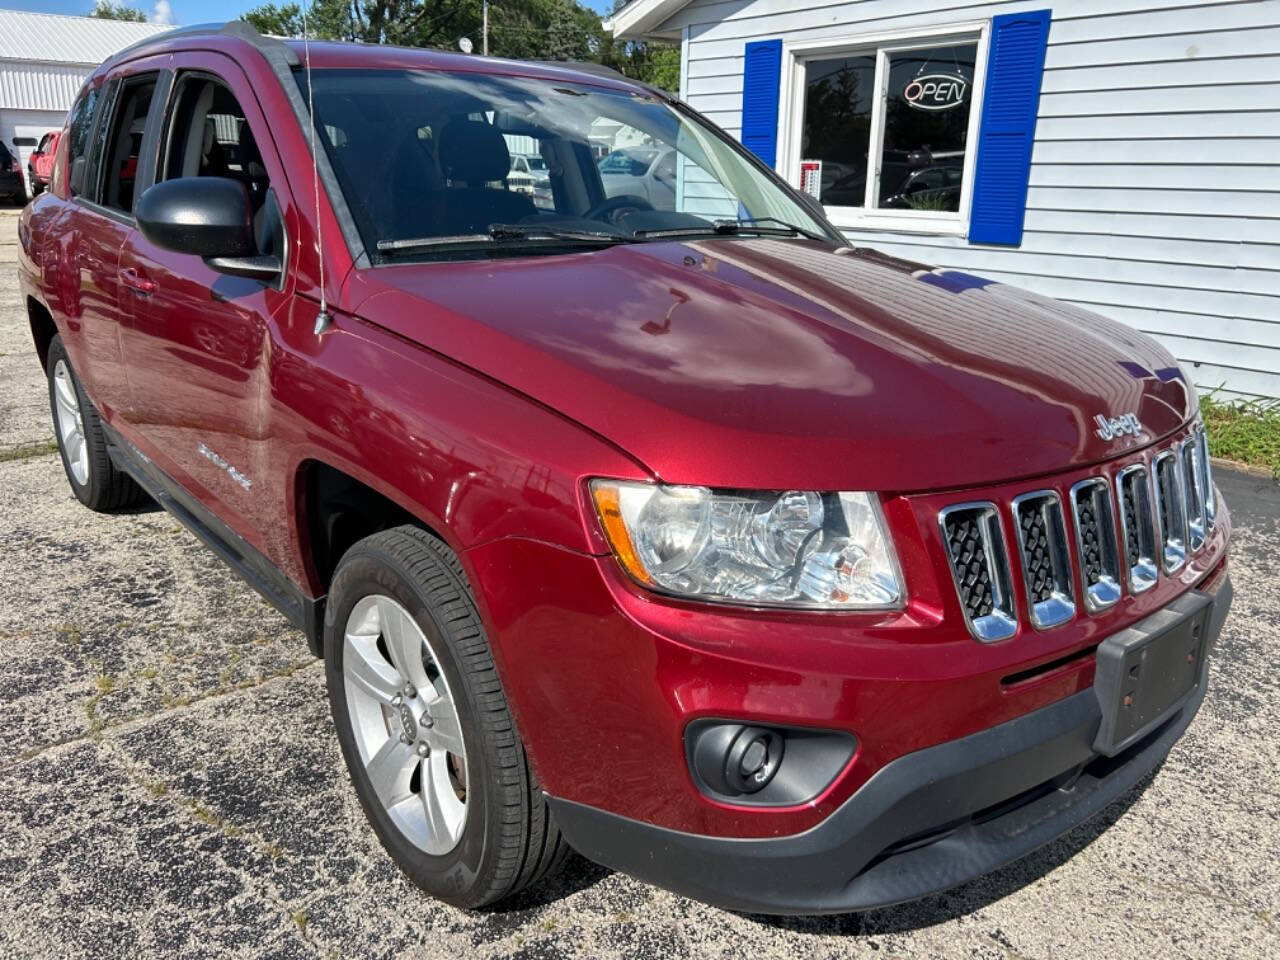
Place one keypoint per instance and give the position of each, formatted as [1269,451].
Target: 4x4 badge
[1127,424]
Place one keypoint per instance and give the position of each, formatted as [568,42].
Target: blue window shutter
[761,71]
[1015,65]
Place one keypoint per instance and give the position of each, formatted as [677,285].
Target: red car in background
[40,163]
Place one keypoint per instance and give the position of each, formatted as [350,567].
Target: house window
[883,130]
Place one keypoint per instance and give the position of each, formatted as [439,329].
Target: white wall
[1155,179]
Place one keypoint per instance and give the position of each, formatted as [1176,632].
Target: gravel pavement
[170,784]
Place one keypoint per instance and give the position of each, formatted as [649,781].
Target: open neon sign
[936,91]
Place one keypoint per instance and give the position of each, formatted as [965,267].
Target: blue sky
[183,11]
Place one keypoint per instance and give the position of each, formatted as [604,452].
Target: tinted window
[124,143]
[454,184]
[81,123]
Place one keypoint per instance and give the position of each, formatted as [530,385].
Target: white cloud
[163,12]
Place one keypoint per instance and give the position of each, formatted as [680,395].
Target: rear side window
[81,123]
[124,143]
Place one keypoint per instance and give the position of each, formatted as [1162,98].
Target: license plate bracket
[1147,672]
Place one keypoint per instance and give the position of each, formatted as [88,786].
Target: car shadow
[577,874]
[968,897]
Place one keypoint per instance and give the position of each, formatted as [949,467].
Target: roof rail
[233,28]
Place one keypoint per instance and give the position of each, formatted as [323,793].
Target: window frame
[796,55]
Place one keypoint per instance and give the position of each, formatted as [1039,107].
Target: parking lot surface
[170,783]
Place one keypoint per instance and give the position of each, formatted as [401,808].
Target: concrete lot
[170,785]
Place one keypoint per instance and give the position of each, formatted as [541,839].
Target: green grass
[1244,431]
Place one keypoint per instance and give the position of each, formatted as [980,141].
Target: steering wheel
[607,209]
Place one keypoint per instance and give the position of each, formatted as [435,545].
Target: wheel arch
[43,328]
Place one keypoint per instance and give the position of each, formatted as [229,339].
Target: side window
[209,136]
[124,143]
[78,144]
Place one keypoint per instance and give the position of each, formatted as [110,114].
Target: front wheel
[425,728]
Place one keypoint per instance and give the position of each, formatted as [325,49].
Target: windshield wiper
[503,233]
[732,228]
[783,225]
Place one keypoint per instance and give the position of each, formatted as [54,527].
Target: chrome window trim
[1060,606]
[1106,592]
[1002,622]
[1143,575]
[1173,549]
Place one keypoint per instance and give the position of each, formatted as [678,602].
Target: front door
[197,345]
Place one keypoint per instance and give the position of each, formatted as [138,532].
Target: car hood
[778,364]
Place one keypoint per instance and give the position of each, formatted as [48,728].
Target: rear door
[197,342]
[104,168]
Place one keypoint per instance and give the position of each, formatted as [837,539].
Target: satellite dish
[465,45]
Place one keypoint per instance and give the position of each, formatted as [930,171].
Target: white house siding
[1155,185]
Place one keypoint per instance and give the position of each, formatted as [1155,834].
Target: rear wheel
[95,480]
[425,728]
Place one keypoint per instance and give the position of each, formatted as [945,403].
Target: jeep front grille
[1137,525]
[1046,563]
[1170,511]
[1096,543]
[979,563]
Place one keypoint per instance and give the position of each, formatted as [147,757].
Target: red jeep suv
[673,529]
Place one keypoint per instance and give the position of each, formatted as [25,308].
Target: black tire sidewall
[455,875]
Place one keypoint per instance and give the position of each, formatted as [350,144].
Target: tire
[506,838]
[95,479]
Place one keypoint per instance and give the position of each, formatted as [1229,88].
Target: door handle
[138,284]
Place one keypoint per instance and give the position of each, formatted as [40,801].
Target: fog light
[740,763]
[752,759]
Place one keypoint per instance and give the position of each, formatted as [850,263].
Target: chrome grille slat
[1193,493]
[1046,563]
[1206,480]
[1137,523]
[1171,512]
[979,563]
[1096,545]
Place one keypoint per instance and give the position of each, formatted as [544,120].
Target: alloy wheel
[405,723]
[70,423]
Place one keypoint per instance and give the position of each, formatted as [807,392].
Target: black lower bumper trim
[989,798]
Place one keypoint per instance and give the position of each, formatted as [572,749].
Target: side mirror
[207,217]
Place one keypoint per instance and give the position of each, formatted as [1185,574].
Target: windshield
[449,144]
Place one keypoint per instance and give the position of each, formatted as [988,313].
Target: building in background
[43,61]
[1117,154]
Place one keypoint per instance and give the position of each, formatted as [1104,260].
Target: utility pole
[484,38]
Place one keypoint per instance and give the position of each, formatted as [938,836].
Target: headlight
[824,551]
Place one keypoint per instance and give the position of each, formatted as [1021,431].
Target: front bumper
[925,822]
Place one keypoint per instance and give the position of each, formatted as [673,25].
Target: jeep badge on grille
[1109,428]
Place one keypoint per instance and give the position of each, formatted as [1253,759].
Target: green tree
[106,10]
[519,29]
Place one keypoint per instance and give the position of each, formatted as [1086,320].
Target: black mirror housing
[202,216]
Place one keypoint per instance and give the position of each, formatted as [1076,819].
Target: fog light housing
[764,766]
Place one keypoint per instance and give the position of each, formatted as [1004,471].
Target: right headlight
[826,551]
